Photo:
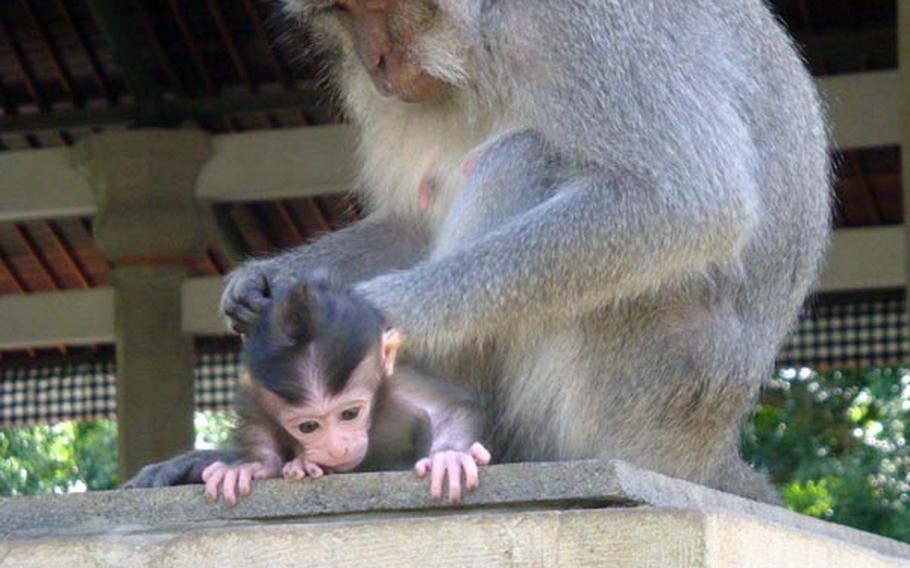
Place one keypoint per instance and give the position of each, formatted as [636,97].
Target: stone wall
[570,514]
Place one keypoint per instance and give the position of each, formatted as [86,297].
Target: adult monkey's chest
[412,154]
[415,170]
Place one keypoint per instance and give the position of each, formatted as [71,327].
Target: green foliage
[213,429]
[79,456]
[836,445]
[58,458]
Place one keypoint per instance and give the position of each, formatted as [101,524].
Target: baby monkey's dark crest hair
[340,325]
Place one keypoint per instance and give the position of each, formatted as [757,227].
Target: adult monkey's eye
[350,414]
[308,427]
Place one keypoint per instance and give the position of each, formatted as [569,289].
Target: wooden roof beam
[138,75]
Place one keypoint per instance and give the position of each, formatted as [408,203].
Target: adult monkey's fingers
[245,296]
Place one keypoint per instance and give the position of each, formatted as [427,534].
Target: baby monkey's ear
[392,340]
[293,322]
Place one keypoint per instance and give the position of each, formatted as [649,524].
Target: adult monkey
[601,216]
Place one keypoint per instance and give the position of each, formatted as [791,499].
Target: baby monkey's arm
[455,430]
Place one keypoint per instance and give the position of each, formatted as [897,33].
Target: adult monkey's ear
[392,339]
[293,320]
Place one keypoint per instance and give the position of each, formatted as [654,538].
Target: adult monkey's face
[388,37]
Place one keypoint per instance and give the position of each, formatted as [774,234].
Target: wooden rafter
[288,220]
[98,73]
[19,283]
[117,28]
[54,56]
[66,251]
[29,79]
[163,59]
[230,45]
[191,46]
[28,242]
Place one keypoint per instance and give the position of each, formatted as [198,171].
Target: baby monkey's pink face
[334,431]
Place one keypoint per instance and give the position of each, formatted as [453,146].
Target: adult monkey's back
[645,209]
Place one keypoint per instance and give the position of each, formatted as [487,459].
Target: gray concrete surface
[549,496]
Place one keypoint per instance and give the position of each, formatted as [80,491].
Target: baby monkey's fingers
[213,475]
[244,481]
[480,454]
[453,470]
[300,467]
[438,475]
[313,470]
[233,481]
[229,486]
[211,469]
[422,467]
[471,477]
[294,469]
[449,465]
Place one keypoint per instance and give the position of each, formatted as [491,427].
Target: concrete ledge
[627,538]
[566,514]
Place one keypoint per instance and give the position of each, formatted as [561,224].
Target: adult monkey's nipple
[425,190]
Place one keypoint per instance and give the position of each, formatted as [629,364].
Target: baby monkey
[322,394]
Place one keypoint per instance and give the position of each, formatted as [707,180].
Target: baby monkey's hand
[234,480]
[451,464]
[300,468]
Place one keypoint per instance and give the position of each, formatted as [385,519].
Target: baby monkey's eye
[350,414]
[308,427]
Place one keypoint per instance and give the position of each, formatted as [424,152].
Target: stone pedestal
[567,514]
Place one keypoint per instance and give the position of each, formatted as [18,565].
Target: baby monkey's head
[318,361]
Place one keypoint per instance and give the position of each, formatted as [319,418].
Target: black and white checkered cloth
[845,333]
[849,333]
[88,391]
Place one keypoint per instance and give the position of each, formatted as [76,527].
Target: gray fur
[627,302]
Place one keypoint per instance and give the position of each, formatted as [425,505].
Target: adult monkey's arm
[379,243]
[605,235]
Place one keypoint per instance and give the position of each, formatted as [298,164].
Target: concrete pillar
[148,226]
